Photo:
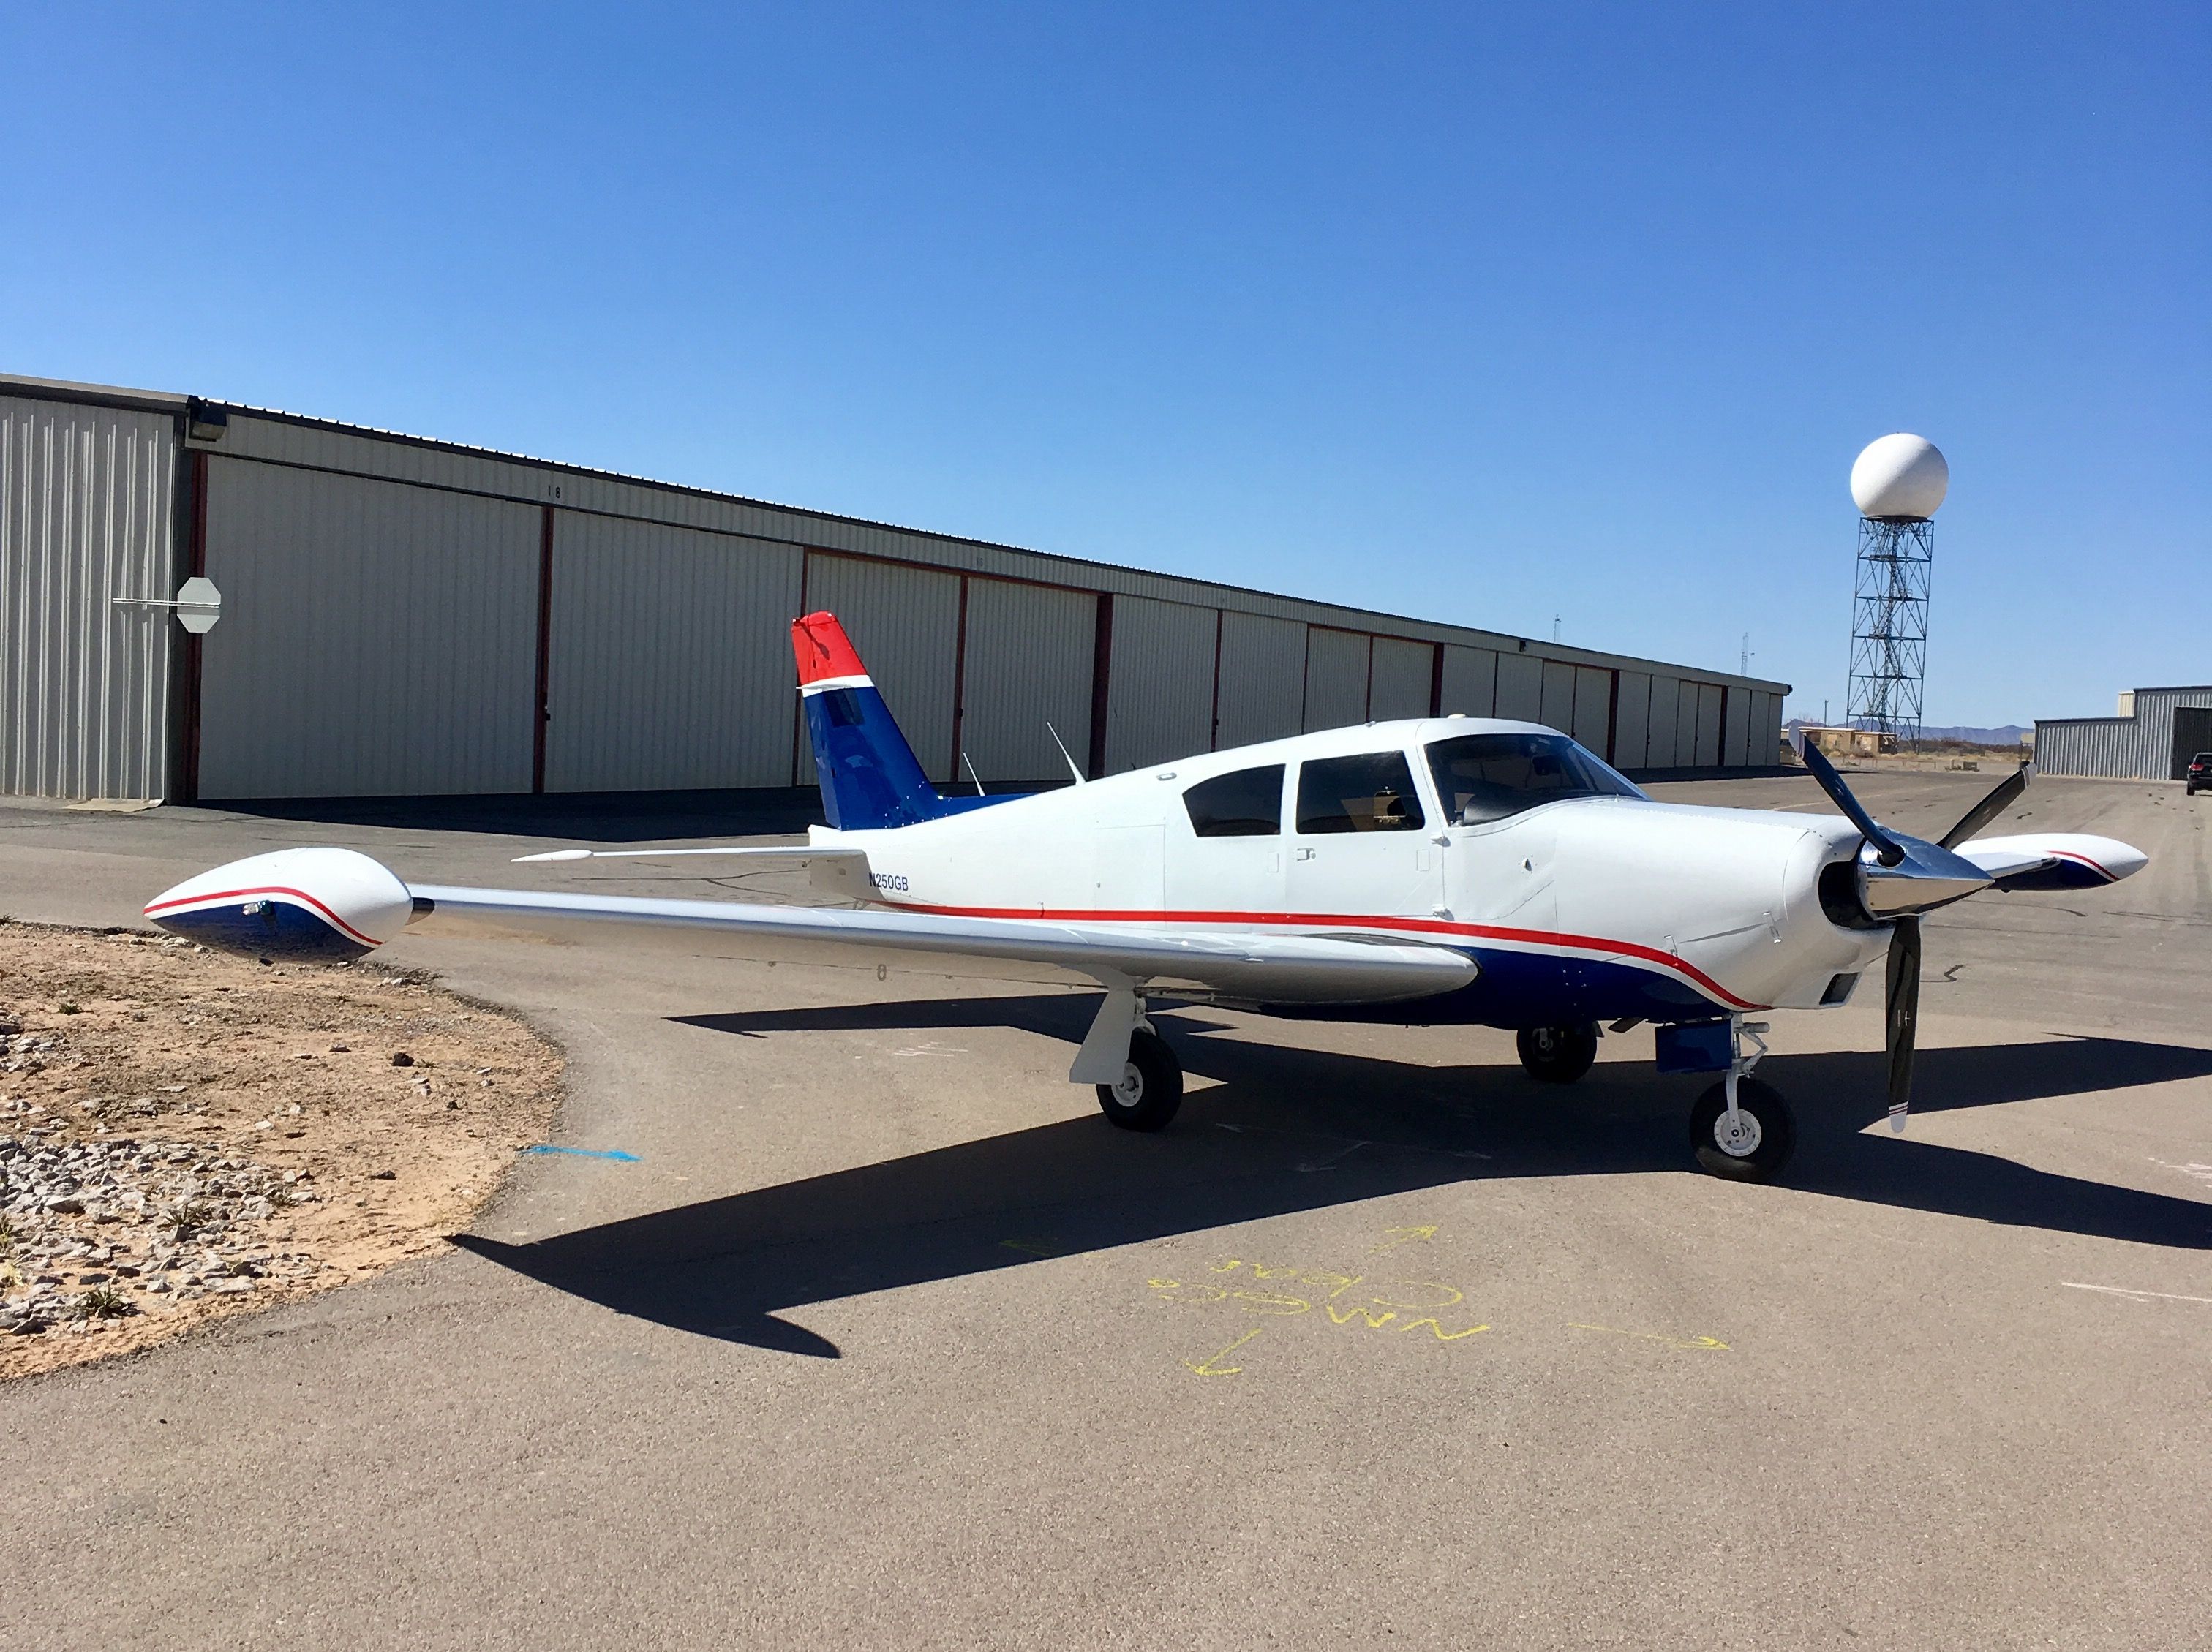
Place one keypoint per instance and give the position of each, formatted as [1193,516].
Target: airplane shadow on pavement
[1286,1129]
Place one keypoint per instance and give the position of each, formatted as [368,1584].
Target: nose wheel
[1741,1128]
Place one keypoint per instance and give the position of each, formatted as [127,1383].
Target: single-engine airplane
[1441,870]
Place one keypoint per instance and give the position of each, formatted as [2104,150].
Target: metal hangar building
[2156,733]
[407,617]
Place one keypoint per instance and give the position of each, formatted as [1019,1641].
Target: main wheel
[1759,1148]
[1557,1055]
[1150,1088]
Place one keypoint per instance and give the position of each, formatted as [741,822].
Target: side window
[1247,803]
[1371,792]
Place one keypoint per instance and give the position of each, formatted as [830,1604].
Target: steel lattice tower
[1889,625]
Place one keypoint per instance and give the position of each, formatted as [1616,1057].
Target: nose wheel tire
[1150,1087]
[1758,1147]
[1557,1055]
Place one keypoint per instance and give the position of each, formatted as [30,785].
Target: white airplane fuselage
[1580,909]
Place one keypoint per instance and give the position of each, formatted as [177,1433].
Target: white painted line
[2122,1291]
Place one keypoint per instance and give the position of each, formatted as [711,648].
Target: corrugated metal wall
[905,623]
[2141,747]
[1028,660]
[1593,706]
[1661,727]
[1263,674]
[669,651]
[1521,687]
[1161,697]
[1400,683]
[1629,745]
[87,495]
[1470,680]
[376,640]
[1336,676]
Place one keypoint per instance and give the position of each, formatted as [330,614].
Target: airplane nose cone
[1929,875]
[328,904]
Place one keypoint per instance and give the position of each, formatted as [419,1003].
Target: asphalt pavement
[886,1339]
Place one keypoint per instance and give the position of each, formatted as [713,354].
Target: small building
[1838,741]
[2153,737]
[401,616]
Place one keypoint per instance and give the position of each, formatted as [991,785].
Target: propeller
[1908,877]
[1900,1014]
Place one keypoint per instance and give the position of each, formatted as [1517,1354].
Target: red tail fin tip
[818,643]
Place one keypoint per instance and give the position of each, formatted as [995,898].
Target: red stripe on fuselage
[2068,854]
[1353,921]
[217,896]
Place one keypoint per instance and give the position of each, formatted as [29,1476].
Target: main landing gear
[1150,1089]
[1557,1055]
[1741,1128]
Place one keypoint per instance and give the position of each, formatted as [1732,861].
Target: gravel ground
[185,1135]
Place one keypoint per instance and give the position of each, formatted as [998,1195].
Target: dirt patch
[186,1135]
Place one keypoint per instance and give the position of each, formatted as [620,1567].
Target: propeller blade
[1901,1014]
[1988,808]
[1886,849]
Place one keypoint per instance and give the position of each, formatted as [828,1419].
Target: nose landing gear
[1741,1128]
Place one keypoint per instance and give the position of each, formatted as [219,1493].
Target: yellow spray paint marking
[1698,1343]
[1393,1237]
[1440,1334]
[1211,1365]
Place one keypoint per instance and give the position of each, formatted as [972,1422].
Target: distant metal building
[402,616]
[2153,738]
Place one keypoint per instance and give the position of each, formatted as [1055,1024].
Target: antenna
[1743,664]
[1555,627]
[1062,745]
[972,774]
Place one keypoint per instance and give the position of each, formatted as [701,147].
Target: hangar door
[1261,679]
[85,497]
[377,639]
[1026,664]
[668,657]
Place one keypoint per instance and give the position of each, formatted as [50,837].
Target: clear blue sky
[1486,313]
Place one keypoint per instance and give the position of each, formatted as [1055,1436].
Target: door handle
[1305,854]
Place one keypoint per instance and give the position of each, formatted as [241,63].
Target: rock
[401,1059]
[341,1049]
[384,1175]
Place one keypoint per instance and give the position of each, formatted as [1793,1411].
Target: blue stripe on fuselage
[1530,989]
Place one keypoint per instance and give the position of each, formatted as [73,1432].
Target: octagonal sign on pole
[199,604]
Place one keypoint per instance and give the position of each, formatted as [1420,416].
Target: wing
[1274,967]
[332,904]
[2041,860]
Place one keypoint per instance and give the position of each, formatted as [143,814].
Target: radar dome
[1900,476]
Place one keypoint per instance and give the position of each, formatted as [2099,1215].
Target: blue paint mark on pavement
[582,1152]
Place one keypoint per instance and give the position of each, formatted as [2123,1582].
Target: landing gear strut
[1741,1128]
[1557,1055]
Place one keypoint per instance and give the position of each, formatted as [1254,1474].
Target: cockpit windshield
[1489,776]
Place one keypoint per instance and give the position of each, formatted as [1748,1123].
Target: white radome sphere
[1900,476]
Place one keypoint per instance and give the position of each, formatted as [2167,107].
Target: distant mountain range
[2006,734]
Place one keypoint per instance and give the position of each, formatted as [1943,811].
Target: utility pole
[1555,627]
[1743,664]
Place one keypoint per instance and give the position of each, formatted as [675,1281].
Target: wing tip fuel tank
[323,903]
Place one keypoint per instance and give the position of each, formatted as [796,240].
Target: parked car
[2200,772]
